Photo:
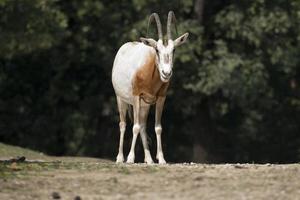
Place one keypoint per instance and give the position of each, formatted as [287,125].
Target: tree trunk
[198,9]
[202,133]
[200,129]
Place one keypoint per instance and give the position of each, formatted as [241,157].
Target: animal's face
[165,54]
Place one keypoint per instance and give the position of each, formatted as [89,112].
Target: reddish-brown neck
[147,83]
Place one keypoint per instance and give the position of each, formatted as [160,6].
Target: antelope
[140,76]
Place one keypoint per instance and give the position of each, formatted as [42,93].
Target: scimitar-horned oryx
[140,76]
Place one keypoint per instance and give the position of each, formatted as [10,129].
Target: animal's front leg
[136,128]
[122,107]
[158,128]
[143,120]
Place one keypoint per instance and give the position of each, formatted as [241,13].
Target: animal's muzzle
[166,75]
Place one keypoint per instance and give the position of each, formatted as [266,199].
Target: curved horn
[171,18]
[158,24]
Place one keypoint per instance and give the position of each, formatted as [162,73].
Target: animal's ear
[180,40]
[149,42]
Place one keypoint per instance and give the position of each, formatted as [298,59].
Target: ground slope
[85,178]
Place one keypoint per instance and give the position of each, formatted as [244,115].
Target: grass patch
[152,169]
[14,151]
[123,170]
[16,170]
[11,166]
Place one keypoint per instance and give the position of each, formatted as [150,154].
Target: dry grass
[89,178]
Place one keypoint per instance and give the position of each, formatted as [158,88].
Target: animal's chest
[147,84]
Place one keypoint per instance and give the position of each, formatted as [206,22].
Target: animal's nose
[167,74]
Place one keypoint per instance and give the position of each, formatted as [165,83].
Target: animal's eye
[157,51]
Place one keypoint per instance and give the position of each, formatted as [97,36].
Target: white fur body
[132,70]
[130,57]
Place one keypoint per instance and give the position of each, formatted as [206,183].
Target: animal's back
[130,57]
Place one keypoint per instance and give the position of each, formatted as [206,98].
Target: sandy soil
[75,178]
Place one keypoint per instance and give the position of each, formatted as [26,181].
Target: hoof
[162,162]
[130,158]
[149,161]
[120,159]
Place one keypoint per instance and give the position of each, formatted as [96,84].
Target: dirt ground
[87,178]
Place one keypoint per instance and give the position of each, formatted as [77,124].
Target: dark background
[234,95]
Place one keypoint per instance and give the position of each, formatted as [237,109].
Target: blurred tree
[246,75]
[29,25]
[234,96]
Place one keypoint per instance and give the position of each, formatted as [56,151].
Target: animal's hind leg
[143,119]
[122,107]
[158,129]
[136,128]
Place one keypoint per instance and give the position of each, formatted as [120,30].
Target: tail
[130,112]
[149,140]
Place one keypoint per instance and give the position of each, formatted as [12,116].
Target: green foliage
[234,91]
[252,62]
[29,25]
